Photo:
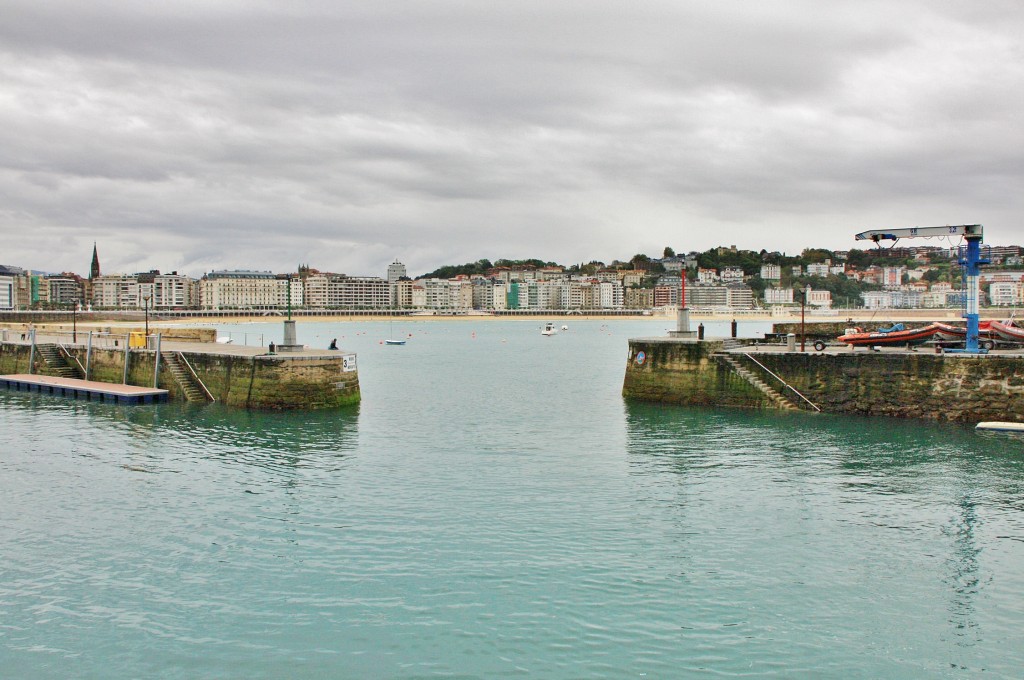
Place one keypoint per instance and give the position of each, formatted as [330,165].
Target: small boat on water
[1005,330]
[394,342]
[896,336]
[1000,426]
[549,329]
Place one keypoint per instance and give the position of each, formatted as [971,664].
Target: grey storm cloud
[202,135]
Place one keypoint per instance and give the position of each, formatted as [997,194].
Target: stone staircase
[188,383]
[57,362]
[773,395]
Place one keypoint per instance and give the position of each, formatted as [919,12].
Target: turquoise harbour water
[494,509]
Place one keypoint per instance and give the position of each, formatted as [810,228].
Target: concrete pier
[891,382]
[247,377]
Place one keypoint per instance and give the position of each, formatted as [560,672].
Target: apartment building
[771,272]
[62,291]
[116,291]
[778,296]
[241,289]
[731,274]
[358,292]
[7,276]
[1006,293]
[638,298]
[819,269]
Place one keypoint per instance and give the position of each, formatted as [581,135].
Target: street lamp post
[74,323]
[803,306]
[145,298]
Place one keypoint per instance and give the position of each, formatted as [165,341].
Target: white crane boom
[877,235]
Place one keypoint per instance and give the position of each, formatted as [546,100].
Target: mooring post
[700,331]
[734,328]
[156,362]
[88,356]
[124,379]
[32,352]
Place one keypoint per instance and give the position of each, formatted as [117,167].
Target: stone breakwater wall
[260,382]
[946,387]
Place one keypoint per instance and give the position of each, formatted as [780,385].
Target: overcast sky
[213,134]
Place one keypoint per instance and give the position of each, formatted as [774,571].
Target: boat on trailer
[951,333]
[897,336]
[1005,330]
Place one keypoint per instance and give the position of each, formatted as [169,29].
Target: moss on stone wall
[959,388]
[686,372]
[271,382]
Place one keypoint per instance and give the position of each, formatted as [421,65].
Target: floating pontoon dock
[83,389]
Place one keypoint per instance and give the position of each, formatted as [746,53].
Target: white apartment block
[242,290]
[771,272]
[707,275]
[116,291]
[739,296]
[604,295]
[1006,293]
[6,292]
[778,296]
[358,292]
[396,271]
[419,297]
[705,296]
[172,291]
[891,299]
[572,295]
[437,294]
[315,291]
[732,275]
[673,265]
[934,299]
[818,269]
[819,298]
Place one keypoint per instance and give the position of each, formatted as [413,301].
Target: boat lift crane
[970,258]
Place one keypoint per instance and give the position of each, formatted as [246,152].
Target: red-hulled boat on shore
[894,337]
[950,333]
[1007,331]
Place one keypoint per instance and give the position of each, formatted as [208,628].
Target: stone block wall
[685,372]
[945,387]
[264,381]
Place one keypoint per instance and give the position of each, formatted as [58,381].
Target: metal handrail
[192,371]
[72,356]
[768,370]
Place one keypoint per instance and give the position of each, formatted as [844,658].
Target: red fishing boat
[950,333]
[1007,331]
[896,336]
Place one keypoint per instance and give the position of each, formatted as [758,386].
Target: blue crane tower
[969,258]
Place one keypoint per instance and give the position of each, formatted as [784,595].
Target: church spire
[94,271]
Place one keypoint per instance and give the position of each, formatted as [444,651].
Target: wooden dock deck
[83,389]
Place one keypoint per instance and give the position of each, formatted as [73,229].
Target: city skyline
[206,136]
[96,266]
